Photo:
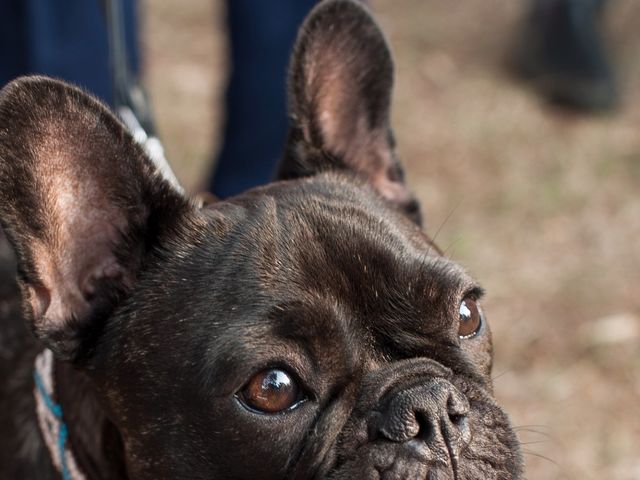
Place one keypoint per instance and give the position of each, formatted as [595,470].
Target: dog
[305,329]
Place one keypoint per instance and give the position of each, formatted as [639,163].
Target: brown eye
[271,391]
[470,318]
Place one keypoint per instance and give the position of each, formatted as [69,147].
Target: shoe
[560,51]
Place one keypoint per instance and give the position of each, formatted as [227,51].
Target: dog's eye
[271,391]
[470,318]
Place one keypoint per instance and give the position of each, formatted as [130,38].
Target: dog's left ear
[340,83]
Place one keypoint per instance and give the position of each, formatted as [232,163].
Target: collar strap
[50,419]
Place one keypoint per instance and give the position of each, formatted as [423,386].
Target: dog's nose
[434,413]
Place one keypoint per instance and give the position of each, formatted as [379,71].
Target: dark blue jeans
[61,38]
[68,39]
[262,33]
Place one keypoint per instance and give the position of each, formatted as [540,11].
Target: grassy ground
[541,206]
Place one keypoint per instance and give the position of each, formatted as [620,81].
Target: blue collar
[50,419]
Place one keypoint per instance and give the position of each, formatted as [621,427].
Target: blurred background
[540,204]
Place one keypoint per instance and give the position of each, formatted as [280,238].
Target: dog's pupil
[271,391]
[276,380]
[469,318]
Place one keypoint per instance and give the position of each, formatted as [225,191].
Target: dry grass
[541,206]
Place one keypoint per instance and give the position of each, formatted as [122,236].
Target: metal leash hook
[130,101]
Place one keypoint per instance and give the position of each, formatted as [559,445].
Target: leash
[131,103]
[50,419]
[132,106]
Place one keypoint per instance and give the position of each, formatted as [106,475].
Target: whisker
[449,247]
[524,429]
[508,370]
[442,224]
[539,455]
[535,442]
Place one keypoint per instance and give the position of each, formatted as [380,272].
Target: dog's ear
[340,83]
[81,204]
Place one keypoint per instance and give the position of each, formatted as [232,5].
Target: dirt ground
[542,206]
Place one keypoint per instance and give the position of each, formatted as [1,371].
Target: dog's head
[305,329]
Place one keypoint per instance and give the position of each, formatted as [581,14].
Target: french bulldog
[306,329]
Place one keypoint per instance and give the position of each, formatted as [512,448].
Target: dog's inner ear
[79,201]
[340,83]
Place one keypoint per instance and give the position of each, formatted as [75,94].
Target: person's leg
[67,40]
[13,40]
[563,53]
[262,34]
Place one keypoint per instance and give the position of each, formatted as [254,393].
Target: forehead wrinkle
[326,333]
[446,275]
[371,256]
[342,248]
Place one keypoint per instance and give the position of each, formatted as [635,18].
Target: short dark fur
[160,311]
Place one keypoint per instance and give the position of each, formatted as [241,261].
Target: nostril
[457,420]
[458,411]
[457,408]
[426,428]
